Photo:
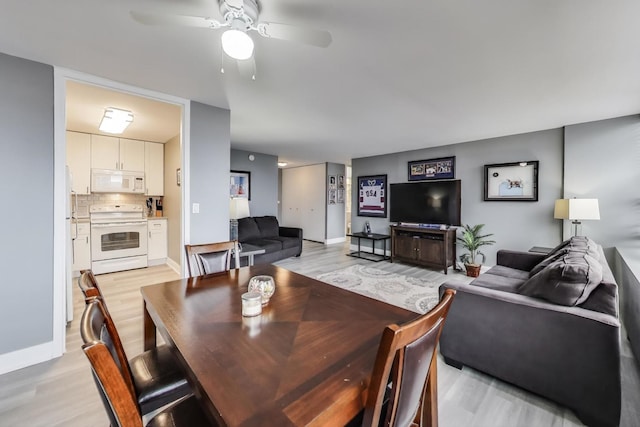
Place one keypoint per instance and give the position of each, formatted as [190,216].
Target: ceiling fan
[240,18]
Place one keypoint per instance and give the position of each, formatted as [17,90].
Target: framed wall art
[372,196]
[240,185]
[441,168]
[517,181]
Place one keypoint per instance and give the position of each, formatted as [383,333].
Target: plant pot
[473,270]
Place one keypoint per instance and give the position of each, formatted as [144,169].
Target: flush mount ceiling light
[282,164]
[115,120]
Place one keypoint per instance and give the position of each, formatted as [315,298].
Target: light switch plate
[196,208]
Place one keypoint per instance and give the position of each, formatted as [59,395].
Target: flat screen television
[429,202]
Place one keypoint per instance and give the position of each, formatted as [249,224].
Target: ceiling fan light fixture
[115,120]
[237,44]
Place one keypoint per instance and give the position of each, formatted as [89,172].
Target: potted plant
[471,240]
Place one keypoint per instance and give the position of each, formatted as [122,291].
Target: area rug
[415,294]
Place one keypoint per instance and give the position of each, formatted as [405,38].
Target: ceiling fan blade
[319,38]
[247,68]
[177,20]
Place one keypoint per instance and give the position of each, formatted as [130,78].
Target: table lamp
[238,208]
[576,210]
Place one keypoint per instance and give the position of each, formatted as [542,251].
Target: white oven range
[118,238]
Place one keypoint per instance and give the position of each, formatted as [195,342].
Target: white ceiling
[399,75]
[152,120]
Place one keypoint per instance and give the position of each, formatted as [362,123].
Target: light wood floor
[61,392]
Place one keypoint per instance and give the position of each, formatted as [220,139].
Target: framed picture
[340,181]
[340,195]
[240,185]
[441,168]
[516,181]
[372,196]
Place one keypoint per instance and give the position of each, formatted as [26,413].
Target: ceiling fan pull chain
[221,61]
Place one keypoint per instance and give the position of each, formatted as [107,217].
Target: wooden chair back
[89,285]
[96,325]
[407,358]
[211,257]
[119,402]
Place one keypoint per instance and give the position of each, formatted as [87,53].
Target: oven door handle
[118,224]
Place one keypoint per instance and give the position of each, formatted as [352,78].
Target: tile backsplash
[84,201]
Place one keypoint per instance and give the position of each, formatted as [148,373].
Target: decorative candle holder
[251,304]
[265,285]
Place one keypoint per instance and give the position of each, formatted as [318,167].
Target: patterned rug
[419,295]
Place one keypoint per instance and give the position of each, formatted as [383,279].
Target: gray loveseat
[546,323]
[264,232]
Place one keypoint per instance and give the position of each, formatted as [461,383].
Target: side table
[371,256]
[248,251]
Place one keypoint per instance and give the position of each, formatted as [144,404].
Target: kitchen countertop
[157,217]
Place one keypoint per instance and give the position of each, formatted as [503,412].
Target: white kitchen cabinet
[82,247]
[157,243]
[108,152]
[131,155]
[105,152]
[154,168]
[79,161]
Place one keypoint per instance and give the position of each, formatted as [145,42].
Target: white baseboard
[174,265]
[26,357]
[159,261]
[336,240]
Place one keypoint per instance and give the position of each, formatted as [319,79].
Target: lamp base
[233,229]
[575,227]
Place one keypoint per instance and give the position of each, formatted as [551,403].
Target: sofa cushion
[268,226]
[567,281]
[268,245]
[500,270]
[497,282]
[248,229]
[287,242]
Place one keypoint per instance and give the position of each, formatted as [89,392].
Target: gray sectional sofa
[546,323]
[264,232]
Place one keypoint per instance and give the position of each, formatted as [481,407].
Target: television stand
[424,246]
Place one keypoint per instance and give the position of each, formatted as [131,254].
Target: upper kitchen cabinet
[132,155]
[154,168]
[108,152]
[79,161]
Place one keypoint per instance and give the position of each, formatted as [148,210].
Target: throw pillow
[567,281]
[576,243]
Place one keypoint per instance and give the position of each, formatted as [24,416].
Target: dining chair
[120,402]
[154,376]
[211,257]
[88,284]
[407,359]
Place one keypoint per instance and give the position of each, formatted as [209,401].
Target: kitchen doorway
[67,85]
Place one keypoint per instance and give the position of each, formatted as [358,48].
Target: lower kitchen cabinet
[157,244]
[82,247]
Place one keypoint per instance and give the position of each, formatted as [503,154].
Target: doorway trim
[60,77]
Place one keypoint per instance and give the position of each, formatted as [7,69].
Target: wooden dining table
[306,360]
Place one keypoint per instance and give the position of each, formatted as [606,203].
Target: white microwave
[115,181]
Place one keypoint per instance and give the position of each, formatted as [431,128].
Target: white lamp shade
[238,208]
[576,209]
[237,44]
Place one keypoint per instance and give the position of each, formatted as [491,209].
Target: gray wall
[335,213]
[264,180]
[209,175]
[26,165]
[515,225]
[602,161]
